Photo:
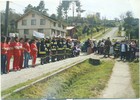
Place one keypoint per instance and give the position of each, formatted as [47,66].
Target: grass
[11,89]
[134,69]
[95,35]
[80,81]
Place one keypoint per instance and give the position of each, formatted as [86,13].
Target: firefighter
[17,54]
[53,49]
[42,51]
[48,48]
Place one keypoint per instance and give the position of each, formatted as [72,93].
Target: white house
[36,21]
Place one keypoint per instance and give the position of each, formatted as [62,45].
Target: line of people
[127,50]
[20,50]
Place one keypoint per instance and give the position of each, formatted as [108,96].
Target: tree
[131,25]
[29,7]
[65,5]
[60,12]
[41,8]
[13,16]
[53,16]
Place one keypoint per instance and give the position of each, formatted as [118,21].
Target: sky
[107,8]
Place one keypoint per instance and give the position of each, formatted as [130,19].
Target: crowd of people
[22,50]
[127,50]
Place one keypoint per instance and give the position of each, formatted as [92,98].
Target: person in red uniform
[9,53]
[33,52]
[17,54]
[22,51]
[3,54]
[27,51]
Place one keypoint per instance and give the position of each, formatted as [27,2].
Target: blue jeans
[26,59]
[3,63]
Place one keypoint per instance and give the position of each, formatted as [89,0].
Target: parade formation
[22,50]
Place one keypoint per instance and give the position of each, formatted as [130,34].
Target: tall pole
[6,18]
[73,11]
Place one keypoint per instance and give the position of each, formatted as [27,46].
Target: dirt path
[119,85]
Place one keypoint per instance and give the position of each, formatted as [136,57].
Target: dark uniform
[107,47]
[42,52]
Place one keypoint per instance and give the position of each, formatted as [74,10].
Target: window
[63,26]
[41,30]
[59,25]
[26,31]
[24,22]
[33,22]
[33,15]
[42,21]
[54,24]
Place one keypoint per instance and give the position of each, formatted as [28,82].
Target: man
[17,54]
[27,51]
[107,47]
[3,54]
[123,49]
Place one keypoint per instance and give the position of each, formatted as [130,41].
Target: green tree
[41,8]
[65,5]
[60,12]
[131,25]
[12,17]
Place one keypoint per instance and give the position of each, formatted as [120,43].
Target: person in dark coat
[107,47]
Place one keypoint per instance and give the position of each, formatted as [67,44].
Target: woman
[27,51]
[9,52]
[3,54]
[17,54]
[33,52]
[22,51]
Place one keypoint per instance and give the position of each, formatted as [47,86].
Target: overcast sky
[109,8]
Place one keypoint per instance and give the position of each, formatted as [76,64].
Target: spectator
[9,53]
[22,52]
[3,54]
[27,51]
[17,54]
[33,52]
[123,49]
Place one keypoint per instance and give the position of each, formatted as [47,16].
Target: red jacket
[27,47]
[33,47]
[3,45]
[17,50]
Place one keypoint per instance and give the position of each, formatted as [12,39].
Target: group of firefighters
[127,50]
[22,50]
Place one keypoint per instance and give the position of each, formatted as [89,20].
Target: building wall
[49,25]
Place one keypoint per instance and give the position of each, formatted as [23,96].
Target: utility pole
[6,19]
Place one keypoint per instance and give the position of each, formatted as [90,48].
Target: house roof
[40,14]
[69,27]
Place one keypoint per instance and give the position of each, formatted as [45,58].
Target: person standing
[17,54]
[33,52]
[22,51]
[123,49]
[9,53]
[107,47]
[3,54]
[27,51]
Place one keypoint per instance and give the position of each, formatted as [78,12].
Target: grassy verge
[81,81]
[11,89]
[134,69]
[95,35]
